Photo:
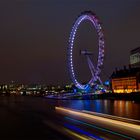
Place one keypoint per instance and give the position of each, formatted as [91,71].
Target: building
[126,80]
[135,57]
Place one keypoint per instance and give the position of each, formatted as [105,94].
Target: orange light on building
[124,85]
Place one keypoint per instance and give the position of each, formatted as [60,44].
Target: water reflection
[120,108]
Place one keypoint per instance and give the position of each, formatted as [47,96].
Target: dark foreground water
[34,118]
[27,118]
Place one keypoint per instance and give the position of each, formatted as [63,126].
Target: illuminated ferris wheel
[95,70]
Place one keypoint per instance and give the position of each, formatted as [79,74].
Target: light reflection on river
[128,109]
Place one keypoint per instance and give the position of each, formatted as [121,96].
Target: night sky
[34,37]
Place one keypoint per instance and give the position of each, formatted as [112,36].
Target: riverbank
[90,96]
[111,96]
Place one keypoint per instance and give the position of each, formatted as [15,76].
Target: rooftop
[126,73]
[136,50]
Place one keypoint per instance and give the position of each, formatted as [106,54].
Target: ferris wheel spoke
[91,64]
[100,80]
[91,67]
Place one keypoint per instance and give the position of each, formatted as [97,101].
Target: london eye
[95,70]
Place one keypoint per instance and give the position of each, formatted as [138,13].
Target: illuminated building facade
[126,80]
[135,57]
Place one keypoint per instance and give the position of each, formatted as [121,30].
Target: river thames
[34,118]
[121,108]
